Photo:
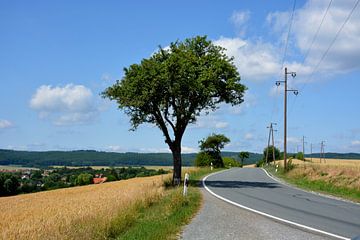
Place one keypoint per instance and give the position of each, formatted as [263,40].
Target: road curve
[252,188]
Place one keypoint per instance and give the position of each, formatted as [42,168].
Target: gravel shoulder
[220,220]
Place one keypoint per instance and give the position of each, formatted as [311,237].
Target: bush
[203,159]
[300,156]
[231,162]
[260,163]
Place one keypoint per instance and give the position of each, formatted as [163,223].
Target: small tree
[270,153]
[212,145]
[172,87]
[203,159]
[242,156]
[300,156]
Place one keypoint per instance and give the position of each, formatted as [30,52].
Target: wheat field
[74,213]
[339,172]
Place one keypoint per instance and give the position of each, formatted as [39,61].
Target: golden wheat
[74,213]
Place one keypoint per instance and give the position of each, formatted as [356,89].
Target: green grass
[163,218]
[321,186]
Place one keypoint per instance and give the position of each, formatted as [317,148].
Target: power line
[288,35]
[283,58]
[332,42]
[317,31]
[329,47]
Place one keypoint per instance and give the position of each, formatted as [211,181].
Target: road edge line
[268,215]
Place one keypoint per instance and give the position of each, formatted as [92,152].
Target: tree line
[28,181]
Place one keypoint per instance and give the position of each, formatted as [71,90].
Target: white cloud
[5,124]
[210,122]
[239,19]
[185,149]
[105,77]
[115,148]
[293,140]
[344,56]
[355,143]
[254,60]
[249,136]
[71,104]
[249,101]
[154,150]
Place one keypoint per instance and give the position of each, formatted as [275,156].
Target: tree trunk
[176,152]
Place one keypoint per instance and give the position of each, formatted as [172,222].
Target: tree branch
[160,121]
[168,120]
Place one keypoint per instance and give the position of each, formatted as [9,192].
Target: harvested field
[338,177]
[75,213]
[327,161]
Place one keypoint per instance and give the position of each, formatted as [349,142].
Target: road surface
[252,188]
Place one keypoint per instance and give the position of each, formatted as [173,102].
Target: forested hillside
[95,158]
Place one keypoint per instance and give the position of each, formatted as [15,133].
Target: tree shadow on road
[241,184]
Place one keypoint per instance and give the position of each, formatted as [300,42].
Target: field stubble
[338,177]
[76,213]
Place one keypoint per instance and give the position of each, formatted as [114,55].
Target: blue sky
[57,56]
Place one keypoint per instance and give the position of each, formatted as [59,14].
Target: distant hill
[336,155]
[96,158]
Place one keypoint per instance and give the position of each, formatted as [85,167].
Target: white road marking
[307,191]
[268,215]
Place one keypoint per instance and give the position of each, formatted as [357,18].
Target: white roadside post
[186,183]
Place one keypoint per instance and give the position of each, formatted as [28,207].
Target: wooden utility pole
[268,144]
[273,143]
[271,135]
[303,146]
[322,152]
[293,74]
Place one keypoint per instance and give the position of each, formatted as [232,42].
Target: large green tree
[172,87]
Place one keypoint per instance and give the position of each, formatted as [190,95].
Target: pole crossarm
[296,92]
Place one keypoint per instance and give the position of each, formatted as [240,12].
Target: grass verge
[320,179]
[164,218]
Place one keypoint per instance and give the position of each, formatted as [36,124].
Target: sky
[56,57]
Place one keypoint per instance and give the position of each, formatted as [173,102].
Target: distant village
[22,180]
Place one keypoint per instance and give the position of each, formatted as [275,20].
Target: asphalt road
[254,189]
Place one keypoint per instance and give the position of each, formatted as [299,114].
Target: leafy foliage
[231,162]
[95,158]
[270,153]
[172,87]
[203,159]
[12,183]
[212,146]
[300,156]
[243,155]
[213,143]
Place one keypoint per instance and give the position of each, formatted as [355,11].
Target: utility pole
[273,143]
[293,74]
[303,146]
[271,134]
[322,152]
[311,152]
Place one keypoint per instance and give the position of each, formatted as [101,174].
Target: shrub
[231,162]
[203,159]
[84,179]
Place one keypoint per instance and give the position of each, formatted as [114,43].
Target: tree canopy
[173,86]
[212,146]
[214,143]
[270,153]
[242,156]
